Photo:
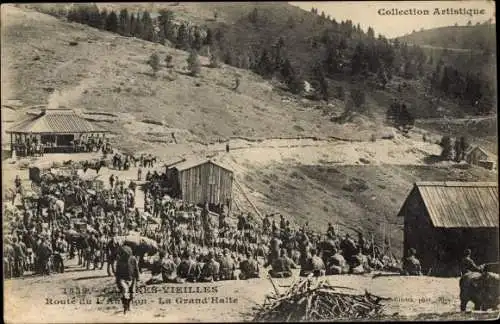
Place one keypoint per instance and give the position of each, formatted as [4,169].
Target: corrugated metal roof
[195,162]
[460,204]
[56,121]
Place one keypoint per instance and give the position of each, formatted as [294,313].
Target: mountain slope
[477,38]
[48,61]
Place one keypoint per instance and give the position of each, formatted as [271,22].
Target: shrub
[194,64]
[154,62]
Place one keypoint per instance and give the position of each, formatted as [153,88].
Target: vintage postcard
[249,161]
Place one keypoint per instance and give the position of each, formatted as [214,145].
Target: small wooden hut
[202,181]
[442,219]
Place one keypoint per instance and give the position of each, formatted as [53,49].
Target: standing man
[411,265]
[111,181]
[468,265]
[127,275]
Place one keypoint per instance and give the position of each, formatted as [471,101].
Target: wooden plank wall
[206,183]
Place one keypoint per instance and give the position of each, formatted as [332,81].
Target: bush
[168,61]
[373,138]
[154,62]
[194,64]
[214,61]
[358,97]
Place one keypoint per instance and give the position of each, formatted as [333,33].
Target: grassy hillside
[48,61]
[357,197]
[477,38]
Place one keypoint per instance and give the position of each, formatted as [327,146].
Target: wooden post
[11,144]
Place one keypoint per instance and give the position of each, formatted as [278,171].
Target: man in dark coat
[411,265]
[227,266]
[186,269]
[211,269]
[127,275]
[467,264]
[249,268]
[44,252]
[314,264]
[19,257]
[282,266]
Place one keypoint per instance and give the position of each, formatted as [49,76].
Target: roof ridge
[456,184]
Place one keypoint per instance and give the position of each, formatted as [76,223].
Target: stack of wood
[316,300]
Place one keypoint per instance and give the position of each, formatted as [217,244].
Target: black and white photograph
[249,161]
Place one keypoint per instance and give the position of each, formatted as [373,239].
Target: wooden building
[55,129]
[442,219]
[478,156]
[202,181]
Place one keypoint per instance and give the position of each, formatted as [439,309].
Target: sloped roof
[460,204]
[195,162]
[475,147]
[62,121]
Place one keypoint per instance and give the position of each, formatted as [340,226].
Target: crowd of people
[191,243]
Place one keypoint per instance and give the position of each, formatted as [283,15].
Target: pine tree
[148,28]
[208,38]
[112,22]
[165,21]
[139,28]
[278,59]
[464,146]
[182,37]
[322,82]
[194,64]
[99,21]
[228,57]
[214,60]
[254,16]
[371,32]
[124,23]
[446,145]
[265,66]
[458,151]
[197,41]
[295,85]
[358,98]
[154,62]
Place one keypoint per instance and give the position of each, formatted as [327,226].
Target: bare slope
[50,61]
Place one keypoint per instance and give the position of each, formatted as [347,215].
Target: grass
[360,197]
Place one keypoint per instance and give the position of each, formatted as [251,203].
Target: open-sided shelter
[54,129]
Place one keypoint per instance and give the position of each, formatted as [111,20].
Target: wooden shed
[478,156]
[442,219]
[202,181]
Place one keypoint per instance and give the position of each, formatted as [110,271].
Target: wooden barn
[442,219]
[478,156]
[202,181]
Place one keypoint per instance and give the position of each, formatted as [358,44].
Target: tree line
[469,88]
[340,49]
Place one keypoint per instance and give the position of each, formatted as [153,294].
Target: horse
[149,160]
[95,165]
[117,161]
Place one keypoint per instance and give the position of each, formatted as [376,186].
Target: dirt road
[43,299]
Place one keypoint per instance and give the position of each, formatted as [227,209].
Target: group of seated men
[207,267]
